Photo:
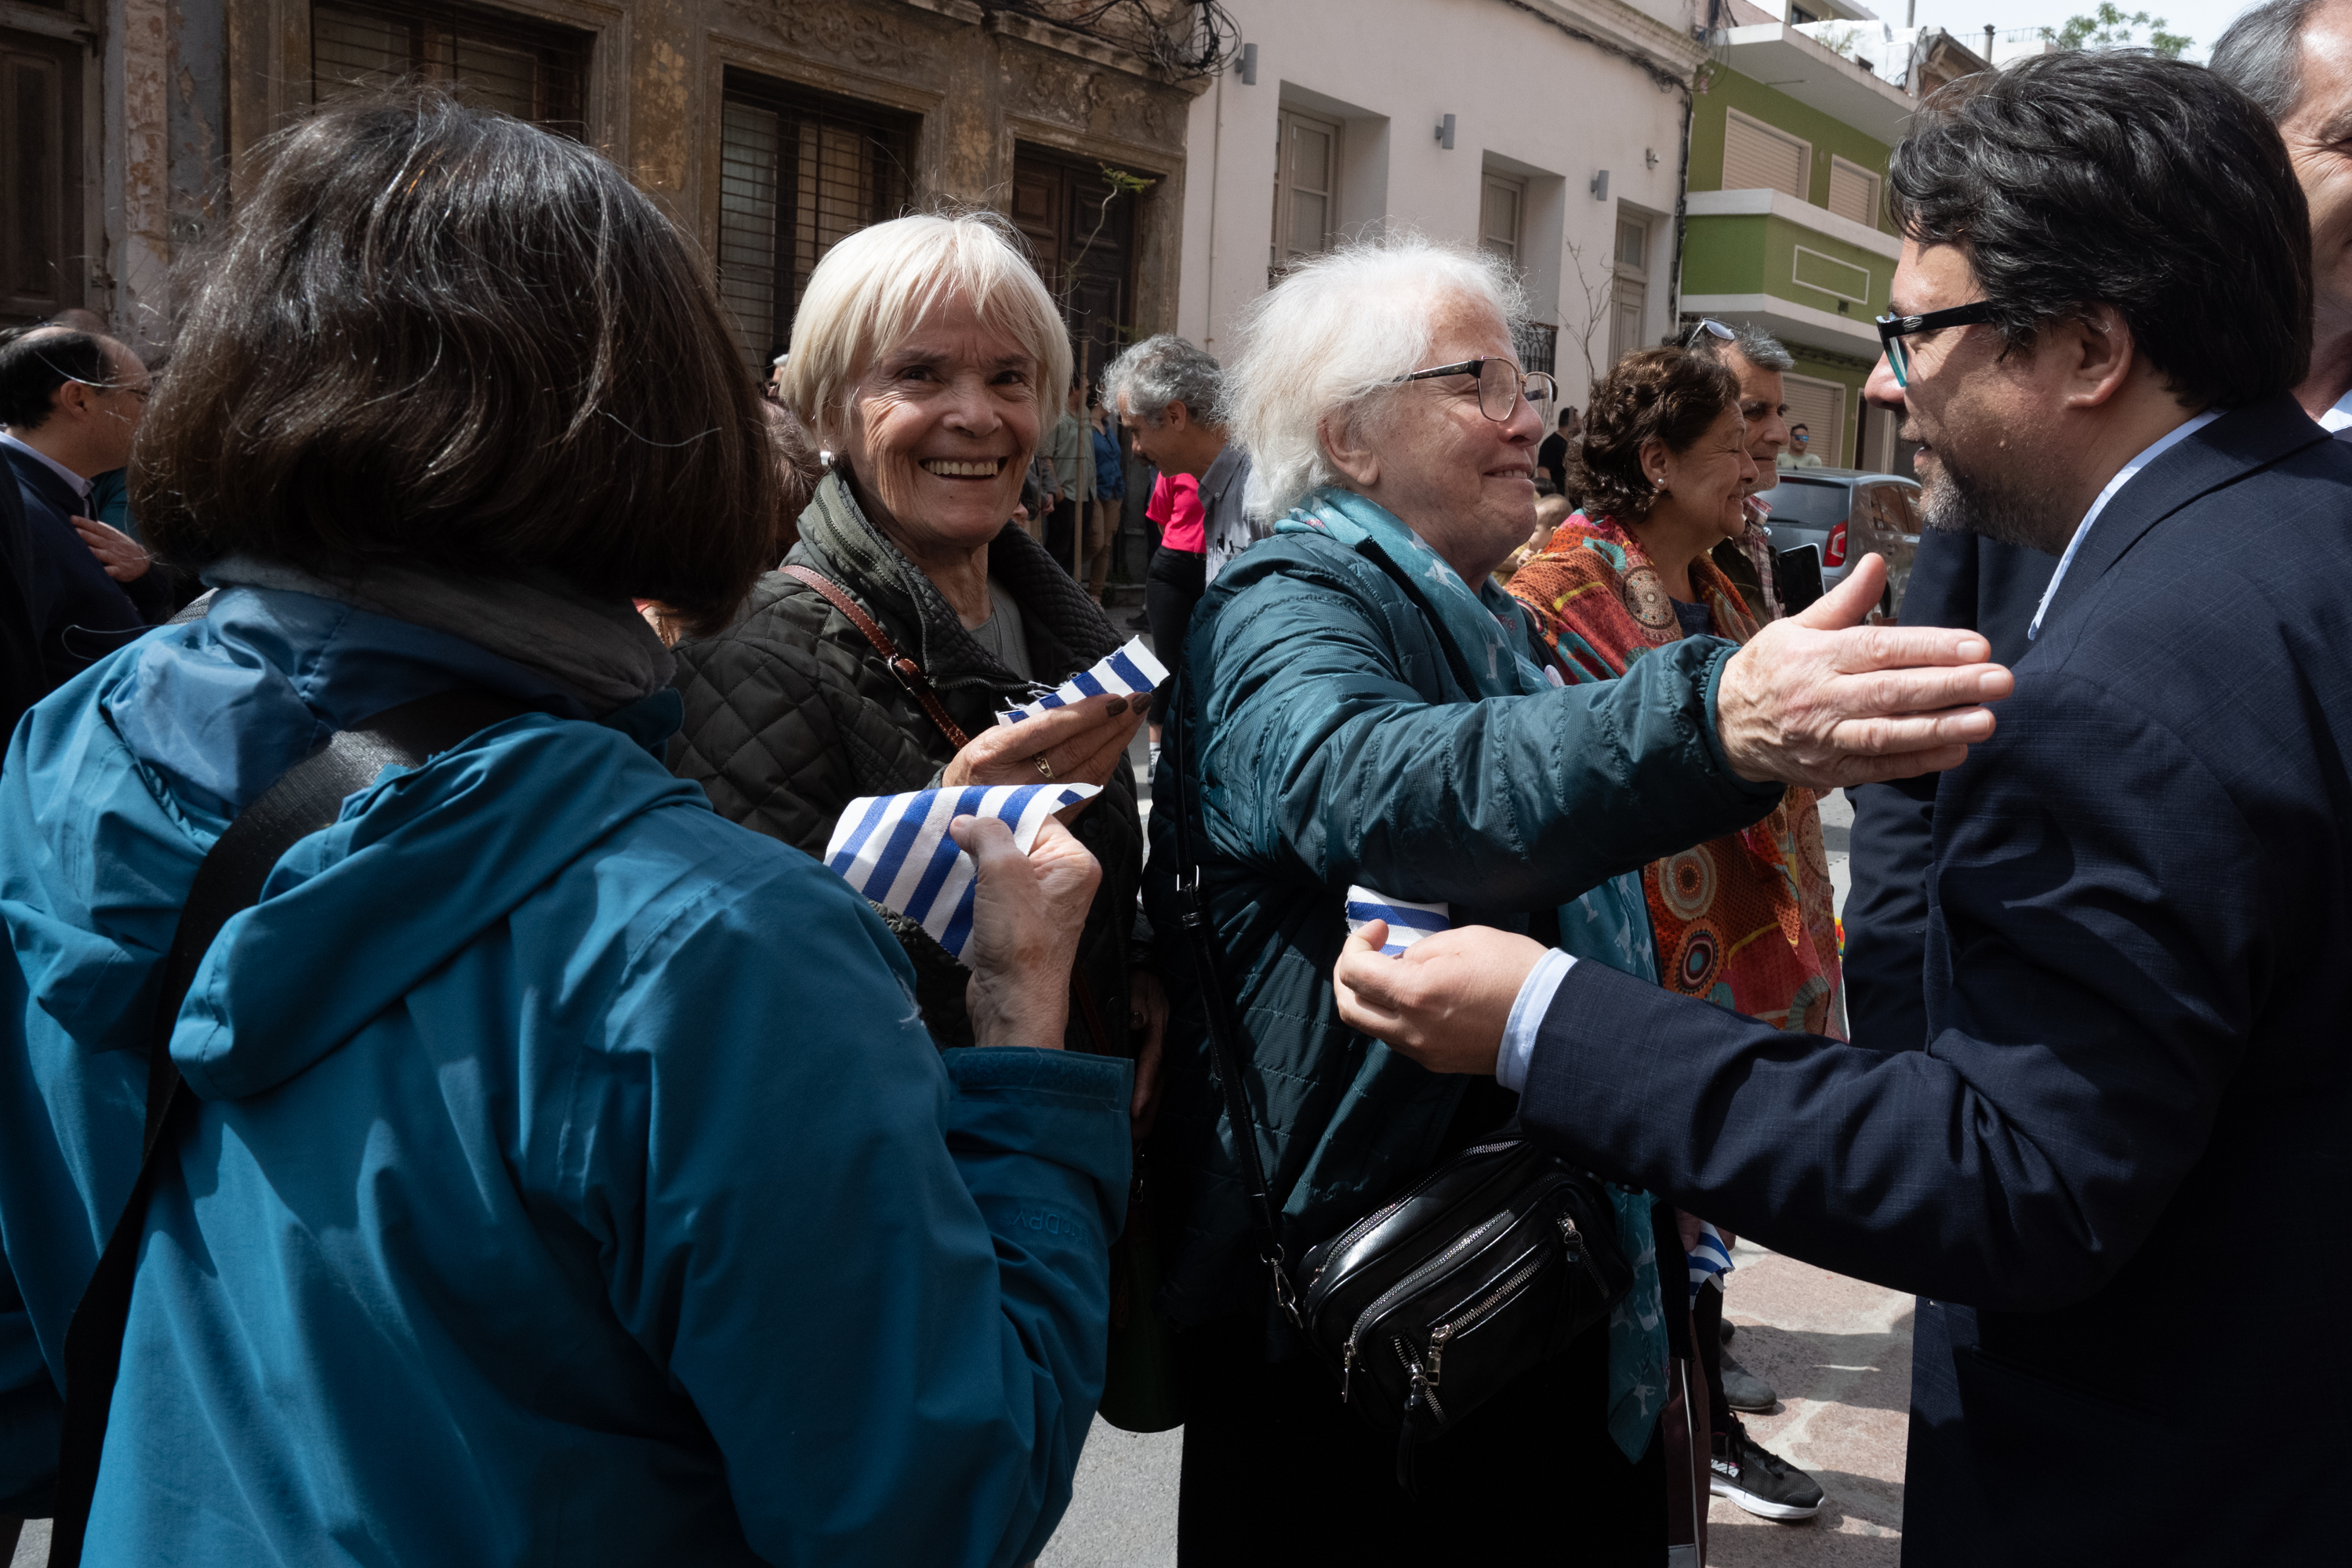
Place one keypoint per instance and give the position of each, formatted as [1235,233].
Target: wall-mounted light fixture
[1650,157]
[1445,133]
[1601,187]
[1249,65]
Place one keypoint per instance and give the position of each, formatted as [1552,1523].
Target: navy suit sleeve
[2102,978]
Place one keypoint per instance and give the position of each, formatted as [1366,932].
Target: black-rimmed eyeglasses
[1501,383]
[1892,330]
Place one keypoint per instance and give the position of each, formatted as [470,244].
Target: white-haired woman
[927,357]
[1357,705]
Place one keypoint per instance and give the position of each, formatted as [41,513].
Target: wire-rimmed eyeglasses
[1501,383]
[1892,330]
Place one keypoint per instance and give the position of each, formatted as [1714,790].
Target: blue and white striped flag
[1710,1260]
[894,849]
[1127,671]
[1408,922]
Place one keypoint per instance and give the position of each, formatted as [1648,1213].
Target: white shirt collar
[2124,475]
[2338,420]
[80,486]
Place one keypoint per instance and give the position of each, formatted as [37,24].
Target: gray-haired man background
[1757,358]
[1169,393]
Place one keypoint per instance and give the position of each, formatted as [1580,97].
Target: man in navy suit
[1967,583]
[2113,1174]
[73,402]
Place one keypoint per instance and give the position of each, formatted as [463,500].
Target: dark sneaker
[1743,1390]
[1762,1483]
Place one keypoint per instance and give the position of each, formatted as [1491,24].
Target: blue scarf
[1610,925]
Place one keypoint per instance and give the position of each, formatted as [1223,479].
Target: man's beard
[2014,509]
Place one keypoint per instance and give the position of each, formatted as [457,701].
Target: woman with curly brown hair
[1664,469]
[1746,921]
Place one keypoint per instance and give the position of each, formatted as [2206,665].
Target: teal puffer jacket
[1334,737]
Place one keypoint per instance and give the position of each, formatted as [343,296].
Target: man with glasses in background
[73,402]
[2103,1170]
[1759,360]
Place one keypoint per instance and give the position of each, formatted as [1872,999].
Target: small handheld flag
[1408,921]
[894,849]
[1127,671]
[1710,1260]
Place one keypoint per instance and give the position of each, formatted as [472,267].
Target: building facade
[1549,132]
[768,128]
[1788,225]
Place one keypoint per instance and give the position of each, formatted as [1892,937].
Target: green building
[1787,219]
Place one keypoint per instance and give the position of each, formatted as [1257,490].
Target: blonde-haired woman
[921,359]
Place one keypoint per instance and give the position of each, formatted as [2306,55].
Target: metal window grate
[520,68]
[1538,346]
[798,172]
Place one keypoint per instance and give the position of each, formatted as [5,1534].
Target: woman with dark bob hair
[566,1176]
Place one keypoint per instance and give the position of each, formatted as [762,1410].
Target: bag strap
[309,797]
[1224,1029]
[909,673]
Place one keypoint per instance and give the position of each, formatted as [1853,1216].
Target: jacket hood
[421,864]
[133,769]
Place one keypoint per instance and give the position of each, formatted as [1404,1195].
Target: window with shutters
[1819,407]
[1757,157]
[1306,189]
[1500,207]
[42,253]
[798,172]
[518,66]
[1081,232]
[1629,297]
[1853,192]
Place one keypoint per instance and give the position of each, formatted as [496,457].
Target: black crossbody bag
[307,798]
[1486,1267]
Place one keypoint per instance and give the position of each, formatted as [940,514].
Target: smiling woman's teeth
[955,468]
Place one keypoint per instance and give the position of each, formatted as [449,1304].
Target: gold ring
[1045,769]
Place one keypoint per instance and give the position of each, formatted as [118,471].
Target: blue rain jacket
[573,1180]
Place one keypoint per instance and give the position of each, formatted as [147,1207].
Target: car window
[1808,503]
[1903,506]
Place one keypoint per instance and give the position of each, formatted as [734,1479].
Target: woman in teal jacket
[1361,710]
[570,1178]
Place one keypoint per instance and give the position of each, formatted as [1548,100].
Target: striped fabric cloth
[1408,921]
[894,849]
[1126,672]
[1710,1260]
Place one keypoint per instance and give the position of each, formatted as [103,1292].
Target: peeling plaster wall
[139,179]
[198,125]
[190,85]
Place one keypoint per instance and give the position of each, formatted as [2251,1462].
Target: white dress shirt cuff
[1528,1015]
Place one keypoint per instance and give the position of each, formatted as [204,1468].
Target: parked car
[1847,513]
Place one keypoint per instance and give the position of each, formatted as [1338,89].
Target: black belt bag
[1477,1274]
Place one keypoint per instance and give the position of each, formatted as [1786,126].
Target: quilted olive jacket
[790,715]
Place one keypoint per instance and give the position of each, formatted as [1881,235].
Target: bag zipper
[1366,1225]
[1379,1216]
[1421,1276]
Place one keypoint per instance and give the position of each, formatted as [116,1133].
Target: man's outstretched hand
[1443,1001]
[1821,699]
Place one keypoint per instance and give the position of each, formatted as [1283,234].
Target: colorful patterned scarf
[1747,921]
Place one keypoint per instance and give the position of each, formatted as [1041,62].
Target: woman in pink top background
[1178,577]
